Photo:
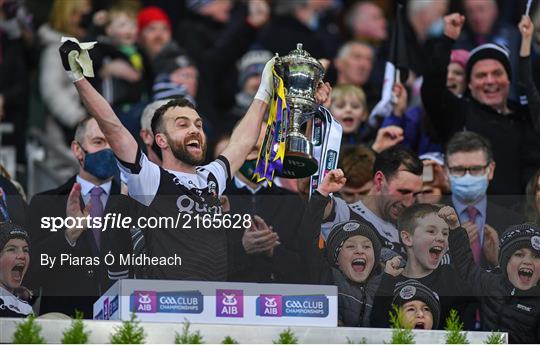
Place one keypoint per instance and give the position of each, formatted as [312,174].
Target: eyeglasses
[475,170]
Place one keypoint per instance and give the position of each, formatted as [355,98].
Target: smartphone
[427,173]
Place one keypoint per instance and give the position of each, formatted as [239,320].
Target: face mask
[436,29]
[469,188]
[100,164]
[248,168]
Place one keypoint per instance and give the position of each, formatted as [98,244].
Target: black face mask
[157,150]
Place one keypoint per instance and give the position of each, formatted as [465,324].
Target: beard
[181,153]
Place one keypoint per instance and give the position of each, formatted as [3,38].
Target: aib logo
[229,303]
[144,302]
[269,305]
[106,313]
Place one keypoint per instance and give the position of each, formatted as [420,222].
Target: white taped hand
[266,88]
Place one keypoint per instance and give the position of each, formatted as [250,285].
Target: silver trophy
[301,75]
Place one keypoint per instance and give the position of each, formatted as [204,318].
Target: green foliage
[76,333]
[286,337]
[28,332]
[229,340]
[454,329]
[129,333]
[363,340]
[188,337]
[495,338]
[400,334]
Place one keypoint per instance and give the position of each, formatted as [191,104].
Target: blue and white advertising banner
[219,302]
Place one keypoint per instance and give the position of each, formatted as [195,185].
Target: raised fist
[69,52]
[449,215]
[332,182]
[453,23]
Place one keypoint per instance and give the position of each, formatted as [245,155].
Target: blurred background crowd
[212,52]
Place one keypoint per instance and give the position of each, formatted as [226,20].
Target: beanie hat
[343,231]
[526,235]
[170,58]
[151,14]
[252,63]
[10,231]
[413,290]
[164,88]
[460,56]
[489,51]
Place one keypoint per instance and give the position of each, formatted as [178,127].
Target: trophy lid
[299,51]
[300,56]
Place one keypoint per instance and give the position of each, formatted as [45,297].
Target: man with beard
[397,179]
[182,186]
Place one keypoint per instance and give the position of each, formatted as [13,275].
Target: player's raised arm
[246,133]
[122,142]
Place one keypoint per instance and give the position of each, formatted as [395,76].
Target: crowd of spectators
[434,206]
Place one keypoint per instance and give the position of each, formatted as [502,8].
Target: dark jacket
[68,287]
[216,47]
[506,133]
[283,211]
[355,300]
[504,307]
[283,33]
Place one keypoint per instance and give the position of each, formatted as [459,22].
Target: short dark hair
[356,161]
[407,219]
[467,141]
[389,161]
[157,119]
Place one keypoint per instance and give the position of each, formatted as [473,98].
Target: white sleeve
[142,178]
[221,170]
[342,214]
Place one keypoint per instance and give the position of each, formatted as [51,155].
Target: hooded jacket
[355,300]
[503,307]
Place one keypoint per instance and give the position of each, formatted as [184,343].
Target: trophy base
[298,166]
[298,162]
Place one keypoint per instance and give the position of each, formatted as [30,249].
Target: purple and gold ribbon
[272,150]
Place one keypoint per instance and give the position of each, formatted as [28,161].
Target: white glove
[78,59]
[266,88]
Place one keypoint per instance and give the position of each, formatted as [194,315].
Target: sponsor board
[183,302]
[219,303]
[293,306]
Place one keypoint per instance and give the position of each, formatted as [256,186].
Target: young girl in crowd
[349,108]
[14,261]
[510,300]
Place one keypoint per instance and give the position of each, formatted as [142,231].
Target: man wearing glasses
[470,168]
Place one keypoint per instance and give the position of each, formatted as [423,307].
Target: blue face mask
[100,164]
[436,29]
[469,188]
